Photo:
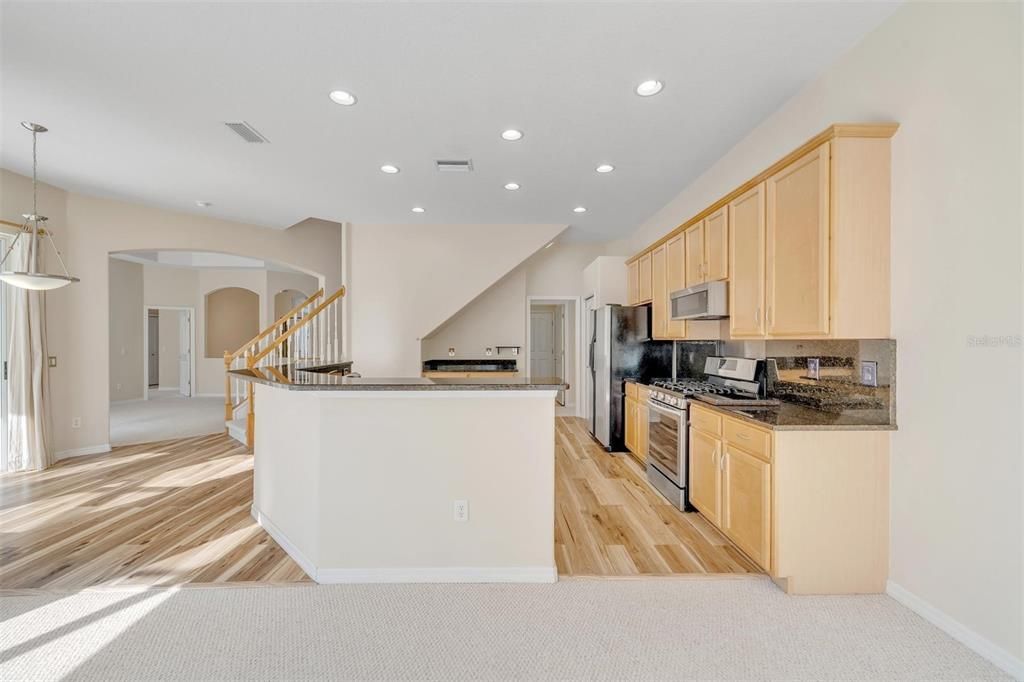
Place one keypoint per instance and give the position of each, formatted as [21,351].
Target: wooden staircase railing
[309,333]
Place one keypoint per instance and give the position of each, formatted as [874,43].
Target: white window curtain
[29,443]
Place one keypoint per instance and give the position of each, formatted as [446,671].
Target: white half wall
[950,75]
[405,280]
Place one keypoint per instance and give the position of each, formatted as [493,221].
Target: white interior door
[4,350]
[153,346]
[185,353]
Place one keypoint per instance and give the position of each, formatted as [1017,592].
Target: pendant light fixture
[32,279]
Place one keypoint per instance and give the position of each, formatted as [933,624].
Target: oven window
[663,440]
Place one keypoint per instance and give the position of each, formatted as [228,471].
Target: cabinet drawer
[706,421]
[748,438]
[631,390]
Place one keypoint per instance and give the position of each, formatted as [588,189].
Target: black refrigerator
[620,348]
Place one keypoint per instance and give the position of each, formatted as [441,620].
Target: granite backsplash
[838,387]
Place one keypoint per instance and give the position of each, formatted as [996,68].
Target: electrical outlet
[76,422]
[461,510]
[487,352]
[813,368]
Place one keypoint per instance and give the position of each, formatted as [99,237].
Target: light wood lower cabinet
[809,507]
[746,503]
[636,420]
[631,419]
[706,474]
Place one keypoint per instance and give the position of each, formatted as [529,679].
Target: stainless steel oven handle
[667,411]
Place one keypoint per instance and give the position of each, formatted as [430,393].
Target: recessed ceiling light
[605,168]
[389,169]
[512,135]
[512,186]
[579,209]
[345,99]
[648,88]
[204,204]
[417,209]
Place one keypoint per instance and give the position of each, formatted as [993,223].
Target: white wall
[170,347]
[126,329]
[950,74]
[405,280]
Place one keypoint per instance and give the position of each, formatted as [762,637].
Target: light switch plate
[487,351]
[869,372]
[52,361]
[451,352]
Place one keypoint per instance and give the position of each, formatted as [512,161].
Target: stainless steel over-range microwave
[707,301]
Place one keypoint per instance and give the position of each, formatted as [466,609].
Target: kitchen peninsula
[406,479]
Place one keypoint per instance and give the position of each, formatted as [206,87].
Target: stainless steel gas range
[727,382]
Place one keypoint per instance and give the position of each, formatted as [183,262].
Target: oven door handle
[667,411]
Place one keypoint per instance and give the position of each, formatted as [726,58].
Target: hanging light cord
[34,254]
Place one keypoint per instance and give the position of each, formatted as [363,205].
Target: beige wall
[170,347]
[407,279]
[89,228]
[232,317]
[126,330]
[950,74]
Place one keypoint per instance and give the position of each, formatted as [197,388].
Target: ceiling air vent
[455,166]
[246,132]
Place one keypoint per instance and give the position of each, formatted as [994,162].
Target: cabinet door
[645,278]
[630,436]
[694,237]
[633,283]
[746,264]
[659,294]
[642,430]
[716,246]
[675,269]
[705,475]
[746,503]
[797,217]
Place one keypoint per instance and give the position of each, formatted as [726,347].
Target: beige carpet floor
[581,629]
[164,416]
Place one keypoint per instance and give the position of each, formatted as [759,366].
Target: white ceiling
[136,96]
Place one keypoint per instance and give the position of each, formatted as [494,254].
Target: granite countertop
[332,378]
[792,416]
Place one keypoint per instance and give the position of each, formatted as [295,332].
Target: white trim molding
[442,574]
[82,452]
[981,645]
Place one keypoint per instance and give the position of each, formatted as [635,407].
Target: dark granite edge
[449,385]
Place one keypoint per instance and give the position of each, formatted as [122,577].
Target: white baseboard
[81,452]
[166,388]
[470,574]
[972,640]
[273,531]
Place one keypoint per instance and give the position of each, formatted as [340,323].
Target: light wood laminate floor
[609,521]
[162,513]
[177,512]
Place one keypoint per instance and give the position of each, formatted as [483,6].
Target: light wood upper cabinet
[694,241]
[675,267]
[746,503]
[633,283]
[797,238]
[705,489]
[747,263]
[646,289]
[716,246]
[659,294]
